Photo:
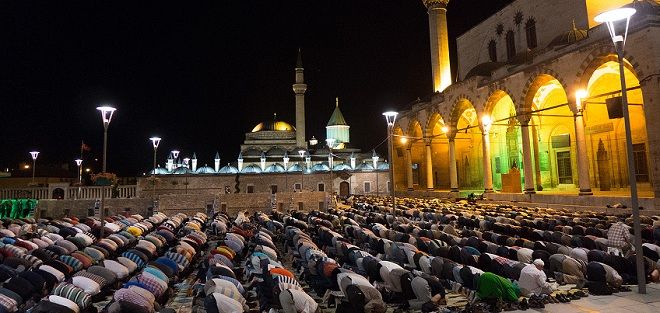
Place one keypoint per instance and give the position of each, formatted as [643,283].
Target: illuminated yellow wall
[469,151]
[595,7]
[604,83]
[549,124]
[440,154]
[503,156]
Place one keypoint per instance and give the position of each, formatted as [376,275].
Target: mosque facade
[533,107]
[277,156]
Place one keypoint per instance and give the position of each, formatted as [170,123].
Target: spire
[374,154]
[217,155]
[194,156]
[299,63]
[274,116]
[336,118]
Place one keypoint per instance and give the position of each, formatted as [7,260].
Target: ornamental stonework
[435,3]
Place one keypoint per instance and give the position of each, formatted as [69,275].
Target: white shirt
[303,302]
[532,280]
[226,304]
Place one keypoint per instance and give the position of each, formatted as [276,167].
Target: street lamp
[79,164]
[106,117]
[617,22]
[286,170]
[331,143]
[390,118]
[155,142]
[301,152]
[374,159]
[34,155]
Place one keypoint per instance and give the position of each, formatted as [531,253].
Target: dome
[484,69]
[273,125]
[342,167]
[570,37]
[181,170]
[274,168]
[160,171]
[251,169]
[320,167]
[205,170]
[228,169]
[383,166]
[295,168]
[364,167]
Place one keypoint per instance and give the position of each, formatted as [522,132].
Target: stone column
[537,162]
[488,171]
[527,155]
[453,172]
[429,164]
[409,173]
[583,163]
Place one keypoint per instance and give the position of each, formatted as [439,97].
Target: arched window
[492,51]
[530,30]
[510,45]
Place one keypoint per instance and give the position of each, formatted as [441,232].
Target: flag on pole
[85,147]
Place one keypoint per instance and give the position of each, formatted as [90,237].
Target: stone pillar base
[489,190]
[454,190]
[530,191]
[586,192]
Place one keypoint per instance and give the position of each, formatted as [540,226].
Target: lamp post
[106,117]
[155,142]
[617,22]
[301,152]
[175,156]
[286,170]
[390,118]
[374,159]
[331,143]
[79,164]
[34,155]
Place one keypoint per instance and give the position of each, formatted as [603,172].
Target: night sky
[201,74]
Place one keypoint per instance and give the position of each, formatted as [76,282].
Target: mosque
[533,108]
[276,148]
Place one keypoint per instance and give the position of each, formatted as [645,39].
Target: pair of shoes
[562,298]
[524,305]
[581,294]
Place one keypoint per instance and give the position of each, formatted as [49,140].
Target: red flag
[85,147]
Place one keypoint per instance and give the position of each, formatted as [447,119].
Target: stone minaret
[299,88]
[437,10]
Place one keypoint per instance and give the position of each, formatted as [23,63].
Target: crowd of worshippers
[64,265]
[371,256]
[248,253]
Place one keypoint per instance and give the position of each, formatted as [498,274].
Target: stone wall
[60,208]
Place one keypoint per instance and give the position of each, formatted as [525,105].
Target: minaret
[299,88]
[437,10]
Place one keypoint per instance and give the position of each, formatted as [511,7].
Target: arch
[462,104]
[433,120]
[536,81]
[602,86]
[58,193]
[344,189]
[600,55]
[495,97]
